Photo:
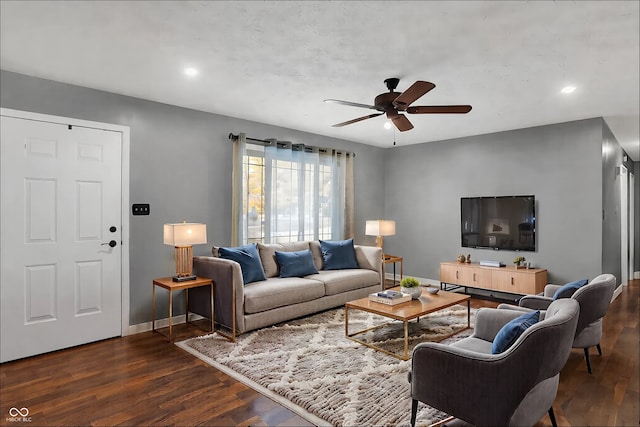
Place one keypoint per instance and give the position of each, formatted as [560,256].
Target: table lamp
[182,236]
[379,228]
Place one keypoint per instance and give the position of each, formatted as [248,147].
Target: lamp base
[183,278]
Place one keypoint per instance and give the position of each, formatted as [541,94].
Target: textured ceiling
[275,62]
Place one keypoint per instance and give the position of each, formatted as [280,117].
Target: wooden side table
[170,285]
[392,259]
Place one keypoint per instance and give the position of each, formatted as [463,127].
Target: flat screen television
[502,222]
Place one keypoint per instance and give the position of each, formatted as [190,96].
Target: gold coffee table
[404,312]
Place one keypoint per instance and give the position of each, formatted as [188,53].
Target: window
[291,193]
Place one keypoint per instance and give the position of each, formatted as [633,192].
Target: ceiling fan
[392,103]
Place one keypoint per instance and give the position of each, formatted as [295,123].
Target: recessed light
[568,89]
[191,72]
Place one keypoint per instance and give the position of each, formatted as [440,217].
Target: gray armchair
[594,299]
[513,388]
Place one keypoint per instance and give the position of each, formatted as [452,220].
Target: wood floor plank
[144,380]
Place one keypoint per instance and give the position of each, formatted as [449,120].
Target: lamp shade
[185,234]
[380,227]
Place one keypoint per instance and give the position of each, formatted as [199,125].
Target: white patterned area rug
[308,365]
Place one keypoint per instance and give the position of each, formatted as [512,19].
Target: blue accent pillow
[248,258]
[296,264]
[565,291]
[512,331]
[338,255]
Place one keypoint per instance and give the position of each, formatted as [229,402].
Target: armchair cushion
[568,289]
[338,255]
[248,258]
[296,264]
[512,331]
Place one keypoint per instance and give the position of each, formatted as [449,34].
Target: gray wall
[612,157]
[181,165]
[636,263]
[560,164]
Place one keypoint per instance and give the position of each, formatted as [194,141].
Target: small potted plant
[518,260]
[411,286]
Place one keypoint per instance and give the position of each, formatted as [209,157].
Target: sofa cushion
[474,344]
[314,245]
[268,255]
[510,332]
[339,281]
[249,260]
[338,255]
[279,292]
[567,290]
[296,263]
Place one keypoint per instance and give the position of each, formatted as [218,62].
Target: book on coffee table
[376,297]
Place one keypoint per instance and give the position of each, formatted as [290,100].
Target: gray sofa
[276,299]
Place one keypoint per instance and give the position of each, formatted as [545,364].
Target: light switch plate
[140,209]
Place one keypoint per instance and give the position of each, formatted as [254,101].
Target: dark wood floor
[143,380]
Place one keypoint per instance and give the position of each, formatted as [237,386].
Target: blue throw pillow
[296,264]
[248,258]
[338,255]
[565,291]
[512,331]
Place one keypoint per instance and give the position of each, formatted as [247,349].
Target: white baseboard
[161,323]
[616,293]
[422,280]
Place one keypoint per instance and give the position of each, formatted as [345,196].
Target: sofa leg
[599,349]
[552,417]
[414,411]
[586,356]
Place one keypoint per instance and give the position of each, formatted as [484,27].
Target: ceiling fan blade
[359,119]
[402,123]
[351,104]
[414,92]
[439,109]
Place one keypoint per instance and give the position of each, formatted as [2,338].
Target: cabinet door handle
[512,281]
[474,277]
[457,274]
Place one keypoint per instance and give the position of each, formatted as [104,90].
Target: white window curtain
[306,193]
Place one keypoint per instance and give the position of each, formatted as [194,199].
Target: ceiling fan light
[387,125]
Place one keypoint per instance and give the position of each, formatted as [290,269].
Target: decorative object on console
[518,260]
[380,228]
[468,260]
[461,258]
[411,286]
[182,237]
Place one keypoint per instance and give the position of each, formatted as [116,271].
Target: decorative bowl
[432,291]
[414,292]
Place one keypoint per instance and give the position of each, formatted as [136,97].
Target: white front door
[61,205]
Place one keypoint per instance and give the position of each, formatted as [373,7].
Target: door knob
[112,243]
